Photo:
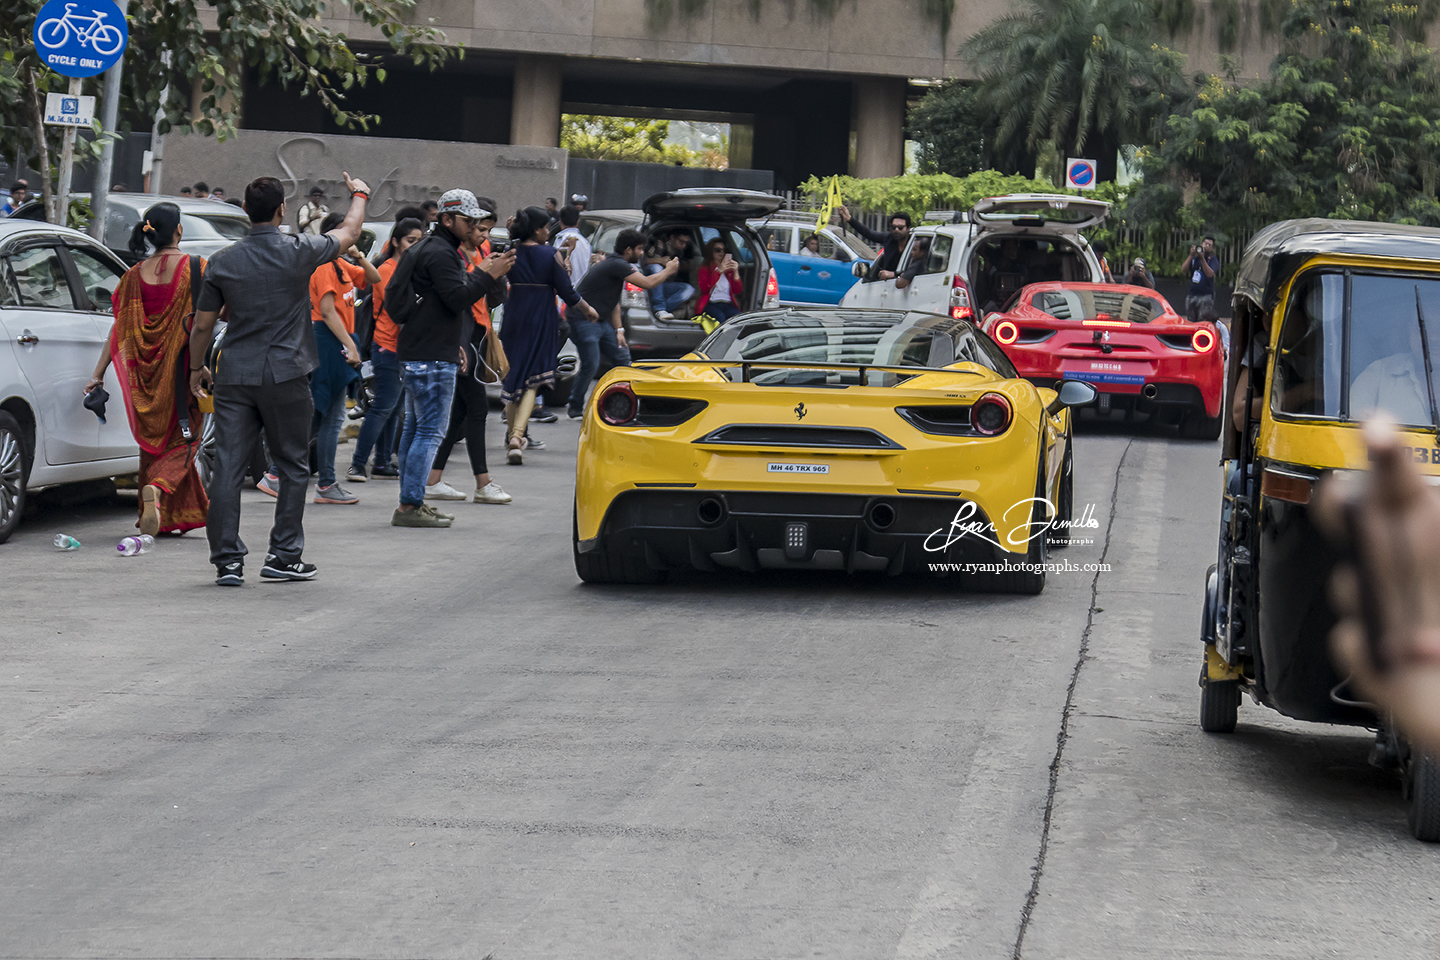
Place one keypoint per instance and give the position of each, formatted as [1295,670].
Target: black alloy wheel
[14,472]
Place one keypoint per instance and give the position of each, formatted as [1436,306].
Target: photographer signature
[966,524]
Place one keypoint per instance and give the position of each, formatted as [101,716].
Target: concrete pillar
[535,113]
[879,127]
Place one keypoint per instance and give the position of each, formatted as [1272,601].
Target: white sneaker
[664,315]
[442,491]
[491,493]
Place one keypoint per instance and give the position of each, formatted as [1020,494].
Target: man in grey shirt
[260,381]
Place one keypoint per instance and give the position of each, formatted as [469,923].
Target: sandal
[514,452]
[149,512]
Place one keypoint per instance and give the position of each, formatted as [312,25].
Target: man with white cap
[430,350]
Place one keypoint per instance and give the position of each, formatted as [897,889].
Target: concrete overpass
[804,95]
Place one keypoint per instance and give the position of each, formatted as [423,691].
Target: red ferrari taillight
[960,303]
[772,291]
[618,405]
[1203,341]
[1006,332]
[990,416]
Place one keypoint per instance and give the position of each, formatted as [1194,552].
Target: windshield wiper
[1429,367]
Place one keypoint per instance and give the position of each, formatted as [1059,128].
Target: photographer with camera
[1202,267]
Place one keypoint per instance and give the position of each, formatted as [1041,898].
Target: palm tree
[1086,75]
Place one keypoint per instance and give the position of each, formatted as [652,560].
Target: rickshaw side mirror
[1072,393]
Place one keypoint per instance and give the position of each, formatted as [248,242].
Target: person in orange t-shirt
[382,418]
[472,403]
[332,309]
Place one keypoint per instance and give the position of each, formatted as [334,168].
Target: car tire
[14,473]
[1029,582]
[1065,502]
[1219,706]
[1422,789]
[602,566]
[1197,426]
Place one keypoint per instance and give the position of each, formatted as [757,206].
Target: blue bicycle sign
[80,38]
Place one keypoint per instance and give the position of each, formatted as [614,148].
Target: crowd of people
[292,351]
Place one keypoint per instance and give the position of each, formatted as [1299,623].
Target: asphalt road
[447,746]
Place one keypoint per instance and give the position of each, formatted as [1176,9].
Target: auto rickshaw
[1334,319]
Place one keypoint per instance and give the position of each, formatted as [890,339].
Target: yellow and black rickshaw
[1333,320]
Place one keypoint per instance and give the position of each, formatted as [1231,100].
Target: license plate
[1106,372]
[798,468]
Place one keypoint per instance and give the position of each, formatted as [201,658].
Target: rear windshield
[1082,304]
[878,342]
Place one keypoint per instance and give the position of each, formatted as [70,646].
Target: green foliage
[618,138]
[1086,75]
[1347,125]
[916,193]
[952,127]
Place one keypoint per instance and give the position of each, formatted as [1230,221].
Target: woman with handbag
[154,305]
[485,363]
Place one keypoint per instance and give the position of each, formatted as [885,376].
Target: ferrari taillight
[618,405]
[1006,332]
[990,416]
[1203,340]
[772,291]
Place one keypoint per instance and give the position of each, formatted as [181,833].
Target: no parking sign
[1080,174]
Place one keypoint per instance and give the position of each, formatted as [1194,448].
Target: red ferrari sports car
[1126,341]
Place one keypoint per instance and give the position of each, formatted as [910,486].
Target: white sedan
[55,314]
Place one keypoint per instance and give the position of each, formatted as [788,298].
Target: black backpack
[402,301]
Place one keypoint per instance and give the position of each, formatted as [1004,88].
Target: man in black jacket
[430,344]
[891,244]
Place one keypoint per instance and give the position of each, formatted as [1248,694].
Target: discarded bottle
[131,546]
[64,542]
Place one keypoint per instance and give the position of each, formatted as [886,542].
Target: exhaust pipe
[710,511]
[1150,391]
[881,516]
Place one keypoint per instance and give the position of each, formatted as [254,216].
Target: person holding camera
[1202,266]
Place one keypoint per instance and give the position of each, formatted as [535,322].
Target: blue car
[821,276]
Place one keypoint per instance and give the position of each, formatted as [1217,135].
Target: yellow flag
[832,203]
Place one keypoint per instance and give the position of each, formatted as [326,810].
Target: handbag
[494,366]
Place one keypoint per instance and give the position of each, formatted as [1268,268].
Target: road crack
[1063,736]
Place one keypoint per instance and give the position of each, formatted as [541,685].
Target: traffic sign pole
[67,166]
[110,111]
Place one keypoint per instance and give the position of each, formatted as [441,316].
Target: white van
[975,266]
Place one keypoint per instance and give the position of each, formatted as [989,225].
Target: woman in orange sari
[148,345]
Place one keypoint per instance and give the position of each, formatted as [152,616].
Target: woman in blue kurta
[530,332]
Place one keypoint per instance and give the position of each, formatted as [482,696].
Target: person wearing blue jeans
[601,287]
[431,339]
[377,432]
[594,338]
[669,295]
[429,392]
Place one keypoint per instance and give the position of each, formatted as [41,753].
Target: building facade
[803,94]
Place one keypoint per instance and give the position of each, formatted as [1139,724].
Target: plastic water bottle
[133,546]
[64,542]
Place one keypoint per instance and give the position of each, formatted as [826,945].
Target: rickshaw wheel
[1219,706]
[1422,789]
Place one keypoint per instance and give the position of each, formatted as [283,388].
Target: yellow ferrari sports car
[831,439]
